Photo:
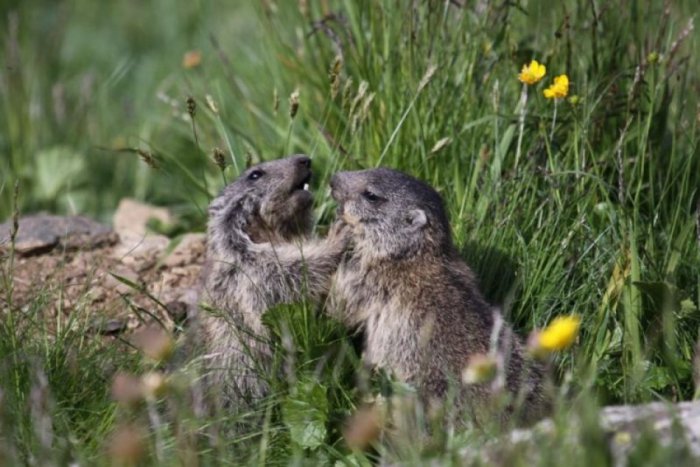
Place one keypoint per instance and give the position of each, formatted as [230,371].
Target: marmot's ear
[416,219]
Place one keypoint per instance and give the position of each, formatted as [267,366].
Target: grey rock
[625,427]
[131,217]
[190,248]
[108,327]
[40,233]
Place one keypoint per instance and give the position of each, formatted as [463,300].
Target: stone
[131,217]
[111,282]
[624,426]
[40,233]
[190,248]
[139,251]
[108,327]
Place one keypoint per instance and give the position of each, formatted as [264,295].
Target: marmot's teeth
[306,187]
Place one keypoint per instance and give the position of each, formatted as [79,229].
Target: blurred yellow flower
[191,59]
[560,334]
[480,369]
[559,89]
[154,385]
[532,73]
[155,343]
[364,427]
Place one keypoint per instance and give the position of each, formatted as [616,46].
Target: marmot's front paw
[339,235]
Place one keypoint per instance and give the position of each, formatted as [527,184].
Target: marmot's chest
[392,342]
[391,330]
[237,286]
[355,288]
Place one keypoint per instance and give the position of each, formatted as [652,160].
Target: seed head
[127,390]
[191,106]
[364,111]
[363,427]
[361,91]
[334,75]
[219,158]
[211,104]
[148,158]
[294,104]
[427,77]
[127,445]
[442,142]
[155,343]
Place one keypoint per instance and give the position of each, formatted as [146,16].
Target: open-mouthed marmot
[258,256]
[417,301]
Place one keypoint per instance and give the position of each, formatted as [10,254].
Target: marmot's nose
[303,161]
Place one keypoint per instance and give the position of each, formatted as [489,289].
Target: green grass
[598,218]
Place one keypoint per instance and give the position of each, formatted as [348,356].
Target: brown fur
[258,256]
[417,301]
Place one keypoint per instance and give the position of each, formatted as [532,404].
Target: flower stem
[521,123]
[554,121]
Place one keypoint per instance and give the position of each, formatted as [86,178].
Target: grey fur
[258,255]
[422,313]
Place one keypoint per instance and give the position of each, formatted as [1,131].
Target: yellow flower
[532,73]
[559,89]
[191,59]
[560,334]
[154,385]
[480,369]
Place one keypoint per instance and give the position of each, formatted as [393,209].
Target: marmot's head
[269,201]
[392,214]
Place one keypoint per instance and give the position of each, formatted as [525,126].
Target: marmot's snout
[303,161]
[339,187]
[302,173]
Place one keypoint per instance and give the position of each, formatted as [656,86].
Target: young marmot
[258,256]
[417,301]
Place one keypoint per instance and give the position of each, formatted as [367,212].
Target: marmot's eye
[255,174]
[369,196]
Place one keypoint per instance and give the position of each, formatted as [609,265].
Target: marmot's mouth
[303,184]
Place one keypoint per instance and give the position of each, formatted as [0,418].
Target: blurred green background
[81,79]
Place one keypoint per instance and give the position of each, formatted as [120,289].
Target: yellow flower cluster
[532,73]
[558,90]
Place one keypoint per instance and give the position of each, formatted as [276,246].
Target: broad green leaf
[305,413]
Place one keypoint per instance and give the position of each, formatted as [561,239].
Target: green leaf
[688,308]
[305,413]
[57,169]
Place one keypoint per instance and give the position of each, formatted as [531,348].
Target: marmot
[258,256]
[416,300]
